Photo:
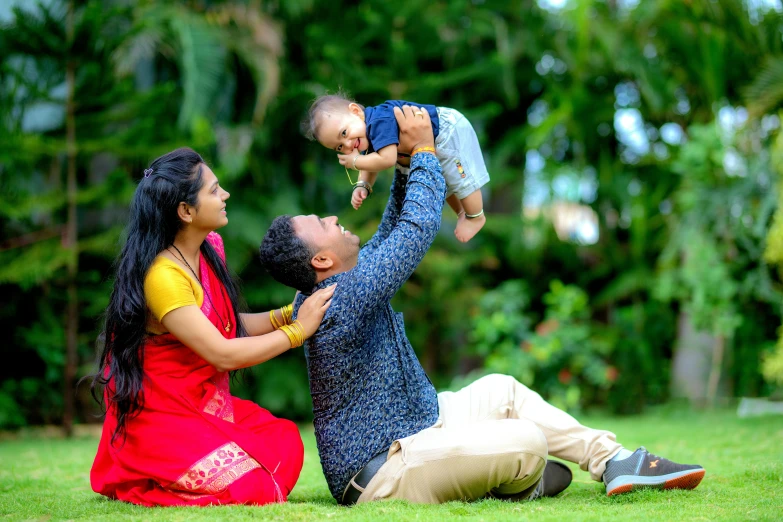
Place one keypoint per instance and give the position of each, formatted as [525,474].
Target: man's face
[326,235]
[343,131]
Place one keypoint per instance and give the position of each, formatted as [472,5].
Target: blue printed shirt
[367,385]
[382,128]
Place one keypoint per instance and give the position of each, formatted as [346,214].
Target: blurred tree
[612,108]
[55,58]
[662,66]
[84,63]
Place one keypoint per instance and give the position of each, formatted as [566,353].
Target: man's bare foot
[468,227]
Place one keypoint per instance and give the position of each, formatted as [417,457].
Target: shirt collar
[326,282]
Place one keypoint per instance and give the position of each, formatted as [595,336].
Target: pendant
[228,327]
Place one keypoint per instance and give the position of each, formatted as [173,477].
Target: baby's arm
[375,162]
[359,193]
[369,176]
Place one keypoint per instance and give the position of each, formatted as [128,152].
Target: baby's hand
[358,196]
[347,160]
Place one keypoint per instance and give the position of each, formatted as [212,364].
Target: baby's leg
[472,219]
[455,204]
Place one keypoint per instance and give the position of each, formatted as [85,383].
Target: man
[382,430]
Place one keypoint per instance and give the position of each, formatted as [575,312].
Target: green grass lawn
[48,479]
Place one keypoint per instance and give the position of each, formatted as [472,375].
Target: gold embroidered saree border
[215,472]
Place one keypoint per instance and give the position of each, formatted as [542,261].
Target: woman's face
[210,214]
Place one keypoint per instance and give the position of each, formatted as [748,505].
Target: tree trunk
[71,239]
[715,370]
[697,364]
[691,362]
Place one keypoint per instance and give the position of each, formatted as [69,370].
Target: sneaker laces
[539,491]
[653,456]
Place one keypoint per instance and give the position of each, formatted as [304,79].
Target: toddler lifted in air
[366,139]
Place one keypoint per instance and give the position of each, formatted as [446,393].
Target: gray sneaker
[645,470]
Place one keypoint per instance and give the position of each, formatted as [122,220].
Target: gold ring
[418,113]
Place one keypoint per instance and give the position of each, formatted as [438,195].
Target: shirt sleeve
[167,288]
[382,270]
[383,132]
[390,216]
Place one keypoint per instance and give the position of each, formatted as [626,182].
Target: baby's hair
[327,103]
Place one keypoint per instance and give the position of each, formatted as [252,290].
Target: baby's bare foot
[468,227]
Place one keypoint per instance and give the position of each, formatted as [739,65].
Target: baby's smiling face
[343,131]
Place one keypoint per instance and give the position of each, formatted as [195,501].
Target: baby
[366,139]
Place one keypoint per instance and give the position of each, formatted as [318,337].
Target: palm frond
[258,42]
[36,32]
[765,93]
[203,61]
[140,46]
[32,266]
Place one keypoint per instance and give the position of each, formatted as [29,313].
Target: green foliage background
[687,201]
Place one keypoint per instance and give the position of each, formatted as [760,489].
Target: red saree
[193,443]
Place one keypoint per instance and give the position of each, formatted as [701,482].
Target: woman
[173,434]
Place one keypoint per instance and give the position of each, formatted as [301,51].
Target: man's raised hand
[415,128]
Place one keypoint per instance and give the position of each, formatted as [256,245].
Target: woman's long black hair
[174,177]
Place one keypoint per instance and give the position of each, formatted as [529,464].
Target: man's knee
[524,437]
[531,451]
[502,381]
[532,437]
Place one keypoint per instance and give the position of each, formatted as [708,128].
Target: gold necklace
[226,325]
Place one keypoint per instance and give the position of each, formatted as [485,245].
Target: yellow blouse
[168,287]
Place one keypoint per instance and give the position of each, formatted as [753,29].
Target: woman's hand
[313,309]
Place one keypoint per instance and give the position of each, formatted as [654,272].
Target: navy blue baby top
[382,129]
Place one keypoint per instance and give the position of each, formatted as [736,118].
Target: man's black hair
[286,257]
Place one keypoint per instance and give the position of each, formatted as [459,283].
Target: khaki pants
[492,439]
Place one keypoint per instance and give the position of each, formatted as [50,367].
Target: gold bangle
[295,332]
[291,335]
[423,149]
[273,319]
[301,331]
[287,312]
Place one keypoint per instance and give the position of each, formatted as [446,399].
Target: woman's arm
[191,327]
[258,323]
[264,322]
[194,330]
